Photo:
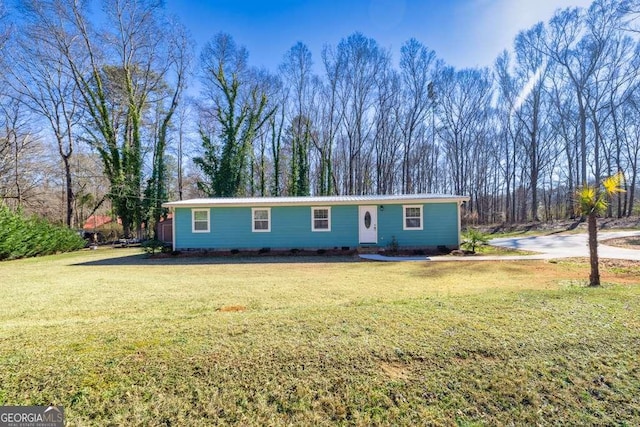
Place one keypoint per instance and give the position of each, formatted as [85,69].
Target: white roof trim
[311,201]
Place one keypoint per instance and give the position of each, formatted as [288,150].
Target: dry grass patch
[632,242]
[119,339]
[612,270]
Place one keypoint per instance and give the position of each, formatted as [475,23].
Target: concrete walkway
[547,247]
[378,257]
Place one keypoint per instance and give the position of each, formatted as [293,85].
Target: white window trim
[313,224]
[193,220]
[404,217]
[253,220]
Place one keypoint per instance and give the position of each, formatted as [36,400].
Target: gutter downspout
[460,223]
[173,229]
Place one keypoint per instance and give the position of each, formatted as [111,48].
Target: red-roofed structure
[96,221]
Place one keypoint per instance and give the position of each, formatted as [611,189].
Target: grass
[119,339]
[499,250]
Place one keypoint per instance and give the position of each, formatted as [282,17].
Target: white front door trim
[368,224]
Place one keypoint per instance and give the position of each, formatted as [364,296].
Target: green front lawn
[120,339]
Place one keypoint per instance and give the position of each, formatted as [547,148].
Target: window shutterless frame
[412,217]
[320,219]
[200,220]
[260,220]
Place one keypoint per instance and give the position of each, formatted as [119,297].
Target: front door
[368,224]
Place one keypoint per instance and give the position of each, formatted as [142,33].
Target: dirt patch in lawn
[395,370]
[232,308]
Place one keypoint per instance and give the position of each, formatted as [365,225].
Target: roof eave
[204,203]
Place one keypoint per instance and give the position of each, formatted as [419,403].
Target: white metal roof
[316,201]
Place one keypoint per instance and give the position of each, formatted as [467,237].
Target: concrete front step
[369,249]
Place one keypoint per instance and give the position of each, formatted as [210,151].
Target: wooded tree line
[96,110]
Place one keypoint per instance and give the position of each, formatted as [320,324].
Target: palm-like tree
[592,202]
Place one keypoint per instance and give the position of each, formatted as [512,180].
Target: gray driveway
[566,246]
[547,247]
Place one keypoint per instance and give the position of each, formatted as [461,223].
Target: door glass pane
[367,220]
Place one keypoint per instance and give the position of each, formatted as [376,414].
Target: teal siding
[440,226]
[230,228]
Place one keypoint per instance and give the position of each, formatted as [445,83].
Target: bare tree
[563,49]
[532,70]
[610,88]
[629,120]
[387,143]
[296,71]
[509,132]
[580,53]
[331,120]
[362,60]
[417,65]
[463,106]
[42,83]
[23,169]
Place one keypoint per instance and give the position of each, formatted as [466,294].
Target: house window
[321,219]
[261,220]
[412,217]
[200,220]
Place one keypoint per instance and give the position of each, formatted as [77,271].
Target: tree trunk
[69,191]
[594,277]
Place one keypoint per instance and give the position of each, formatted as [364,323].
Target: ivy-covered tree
[299,138]
[120,73]
[236,101]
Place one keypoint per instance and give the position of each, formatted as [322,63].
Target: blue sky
[465,33]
